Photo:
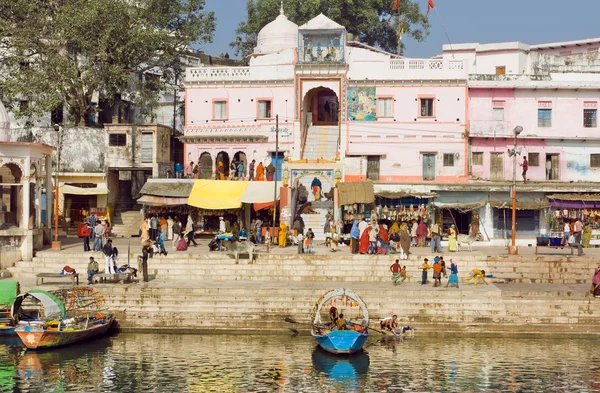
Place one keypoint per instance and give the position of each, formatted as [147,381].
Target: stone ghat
[234,307]
[328,267]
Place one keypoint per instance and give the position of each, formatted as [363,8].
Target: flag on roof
[430,5]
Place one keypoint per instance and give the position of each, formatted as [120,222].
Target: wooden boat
[63,317]
[350,340]
[9,290]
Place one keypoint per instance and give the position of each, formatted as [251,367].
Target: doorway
[206,166]
[496,166]
[429,166]
[277,163]
[552,166]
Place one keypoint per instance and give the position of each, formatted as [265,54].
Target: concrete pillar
[486,221]
[49,192]
[25,202]
[38,202]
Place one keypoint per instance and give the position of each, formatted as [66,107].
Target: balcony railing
[320,54]
[218,73]
[426,64]
[490,129]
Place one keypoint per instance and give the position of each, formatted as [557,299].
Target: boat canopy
[53,306]
[340,293]
[8,292]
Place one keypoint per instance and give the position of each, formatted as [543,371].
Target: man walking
[525,169]
[98,233]
[251,170]
[578,228]
[189,231]
[258,226]
[176,232]
[436,240]
[153,227]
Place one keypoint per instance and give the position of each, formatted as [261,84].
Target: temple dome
[4,124]
[276,36]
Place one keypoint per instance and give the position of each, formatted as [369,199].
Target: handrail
[304,137]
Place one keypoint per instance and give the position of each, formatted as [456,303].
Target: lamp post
[513,249]
[56,245]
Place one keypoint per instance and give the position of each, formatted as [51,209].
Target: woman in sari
[364,241]
[421,234]
[452,239]
[260,172]
[384,240]
[282,234]
[587,236]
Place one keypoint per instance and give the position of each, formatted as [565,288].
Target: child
[425,268]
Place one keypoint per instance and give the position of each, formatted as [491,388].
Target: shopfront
[567,208]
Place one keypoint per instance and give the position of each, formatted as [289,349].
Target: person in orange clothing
[220,172]
[260,172]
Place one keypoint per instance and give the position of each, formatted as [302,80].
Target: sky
[483,21]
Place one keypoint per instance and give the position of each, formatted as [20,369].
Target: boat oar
[377,330]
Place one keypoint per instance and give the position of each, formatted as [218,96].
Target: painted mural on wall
[361,104]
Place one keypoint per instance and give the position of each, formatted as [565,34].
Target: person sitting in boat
[92,269]
[333,315]
[341,323]
[389,323]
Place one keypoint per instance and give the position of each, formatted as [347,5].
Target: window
[220,110]
[384,107]
[448,159]
[117,140]
[498,114]
[594,160]
[426,107]
[373,168]
[500,70]
[147,142]
[264,109]
[477,158]
[533,159]
[544,117]
[589,118]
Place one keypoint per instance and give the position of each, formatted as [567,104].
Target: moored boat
[9,290]
[348,338]
[62,317]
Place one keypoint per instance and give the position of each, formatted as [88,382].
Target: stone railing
[218,73]
[426,64]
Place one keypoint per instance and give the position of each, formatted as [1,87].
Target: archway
[323,106]
[241,156]
[11,196]
[223,157]
[206,166]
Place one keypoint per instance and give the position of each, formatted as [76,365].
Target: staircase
[126,223]
[321,142]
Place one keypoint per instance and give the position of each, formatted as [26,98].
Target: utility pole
[56,244]
[275,177]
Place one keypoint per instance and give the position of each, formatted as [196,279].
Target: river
[285,363]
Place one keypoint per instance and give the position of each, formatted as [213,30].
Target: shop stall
[356,202]
[459,208]
[567,208]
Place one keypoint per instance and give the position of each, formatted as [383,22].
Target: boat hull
[341,341]
[36,336]
[7,331]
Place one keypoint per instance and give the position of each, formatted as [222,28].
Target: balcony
[319,54]
[490,129]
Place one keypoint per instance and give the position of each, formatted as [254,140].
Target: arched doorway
[223,157]
[241,156]
[10,196]
[323,106]
[206,166]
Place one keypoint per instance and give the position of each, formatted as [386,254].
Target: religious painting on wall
[361,104]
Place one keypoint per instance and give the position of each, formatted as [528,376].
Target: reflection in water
[220,363]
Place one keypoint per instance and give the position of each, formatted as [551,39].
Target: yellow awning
[217,194]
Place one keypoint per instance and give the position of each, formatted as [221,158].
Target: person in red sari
[364,241]
[384,239]
[421,233]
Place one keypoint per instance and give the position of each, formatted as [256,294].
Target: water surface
[281,363]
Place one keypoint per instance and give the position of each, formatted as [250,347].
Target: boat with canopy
[336,337]
[53,318]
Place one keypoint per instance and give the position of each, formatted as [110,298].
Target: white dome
[276,36]
[4,124]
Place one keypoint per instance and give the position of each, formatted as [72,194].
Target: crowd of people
[237,171]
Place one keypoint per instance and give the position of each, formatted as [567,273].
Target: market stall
[459,208]
[356,201]
[566,208]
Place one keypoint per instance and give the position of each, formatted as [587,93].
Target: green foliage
[371,21]
[58,53]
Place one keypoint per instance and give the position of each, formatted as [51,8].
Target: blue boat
[351,338]
[9,290]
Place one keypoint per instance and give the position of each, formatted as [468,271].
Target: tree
[371,21]
[59,53]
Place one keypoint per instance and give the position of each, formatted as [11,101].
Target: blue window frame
[544,117]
